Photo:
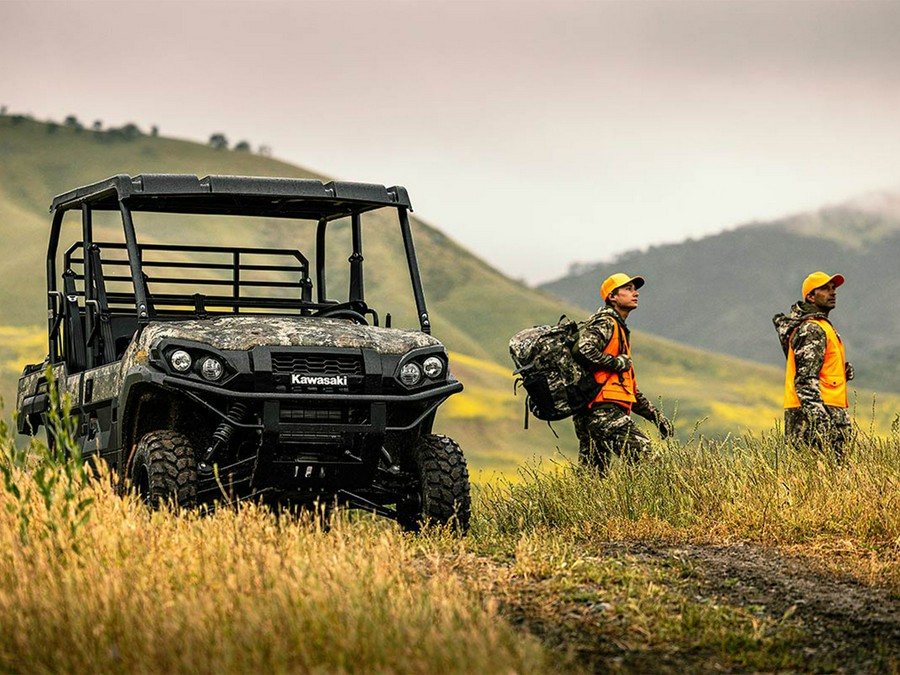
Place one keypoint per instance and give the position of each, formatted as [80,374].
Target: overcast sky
[535,133]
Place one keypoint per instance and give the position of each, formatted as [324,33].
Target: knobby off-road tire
[442,483]
[165,469]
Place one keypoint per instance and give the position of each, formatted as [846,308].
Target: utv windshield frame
[301,199]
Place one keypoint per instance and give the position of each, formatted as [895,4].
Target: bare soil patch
[830,623]
[854,626]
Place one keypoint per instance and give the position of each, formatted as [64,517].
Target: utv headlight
[211,369]
[180,360]
[433,367]
[410,374]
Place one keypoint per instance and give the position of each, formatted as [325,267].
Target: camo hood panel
[241,333]
[785,324]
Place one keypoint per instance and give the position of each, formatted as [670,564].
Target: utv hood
[240,333]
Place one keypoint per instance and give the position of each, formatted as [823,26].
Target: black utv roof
[235,195]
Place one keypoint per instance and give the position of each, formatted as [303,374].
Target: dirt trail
[847,622]
[843,625]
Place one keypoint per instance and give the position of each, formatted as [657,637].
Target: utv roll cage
[114,315]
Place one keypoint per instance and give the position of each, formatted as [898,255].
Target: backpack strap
[622,343]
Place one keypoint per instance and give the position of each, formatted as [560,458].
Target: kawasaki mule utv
[206,373]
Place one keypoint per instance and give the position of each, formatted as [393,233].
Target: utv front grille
[302,436]
[319,425]
[300,414]
[320,365]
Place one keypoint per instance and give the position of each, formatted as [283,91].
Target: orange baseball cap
[819,279]
[620,279]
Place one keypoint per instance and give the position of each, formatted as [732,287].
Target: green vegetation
[546,581]
[752,489]
[458,286]
[474,308]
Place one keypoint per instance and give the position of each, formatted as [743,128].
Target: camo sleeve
[808,344]
[593,339]
[644,408]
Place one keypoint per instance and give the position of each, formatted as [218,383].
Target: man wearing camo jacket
[815,388]
[604,349]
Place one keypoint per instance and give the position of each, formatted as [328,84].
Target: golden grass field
[94,582]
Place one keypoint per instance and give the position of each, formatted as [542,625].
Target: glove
[621,363]
[666,428]
[848,371]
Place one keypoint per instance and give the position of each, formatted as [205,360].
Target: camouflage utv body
[206,373]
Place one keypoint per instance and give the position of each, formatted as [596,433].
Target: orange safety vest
[618,388]
[832,376]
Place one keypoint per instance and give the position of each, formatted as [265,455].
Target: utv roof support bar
[413,263]
[134,260]
[356,261]
[87,236]
[320,260]
[54,299]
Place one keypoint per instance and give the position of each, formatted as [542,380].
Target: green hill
[467,299]
[720,293]
[474,308]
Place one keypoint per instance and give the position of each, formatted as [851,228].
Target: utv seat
[122,329]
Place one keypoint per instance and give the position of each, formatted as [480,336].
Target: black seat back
[76,355]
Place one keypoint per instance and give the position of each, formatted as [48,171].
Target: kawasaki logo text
[336,381]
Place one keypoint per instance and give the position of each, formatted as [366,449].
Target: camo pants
[607,429]
[803,428]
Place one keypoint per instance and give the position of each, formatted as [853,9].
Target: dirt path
[852,624]
[838,624]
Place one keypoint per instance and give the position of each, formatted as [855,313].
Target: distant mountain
[719,293]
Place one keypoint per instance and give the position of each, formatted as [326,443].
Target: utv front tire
[441,485]
[165,469]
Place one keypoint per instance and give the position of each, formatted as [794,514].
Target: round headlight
[433,367]
[180,360]
[410,374]
[211,369]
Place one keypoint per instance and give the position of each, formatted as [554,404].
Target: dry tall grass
[746,489]
[91,582]
[94,582]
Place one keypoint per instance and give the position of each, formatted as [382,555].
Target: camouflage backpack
[557,385]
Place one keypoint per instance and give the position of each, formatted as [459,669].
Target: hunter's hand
[665,426]
[622,363]
[848,371]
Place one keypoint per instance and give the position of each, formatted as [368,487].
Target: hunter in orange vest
[604,349]
[815,385]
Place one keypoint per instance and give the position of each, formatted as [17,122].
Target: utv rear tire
[165,469]
[441,484]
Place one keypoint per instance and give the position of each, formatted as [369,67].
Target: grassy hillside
[474,308]
[720,293]
[38,165]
